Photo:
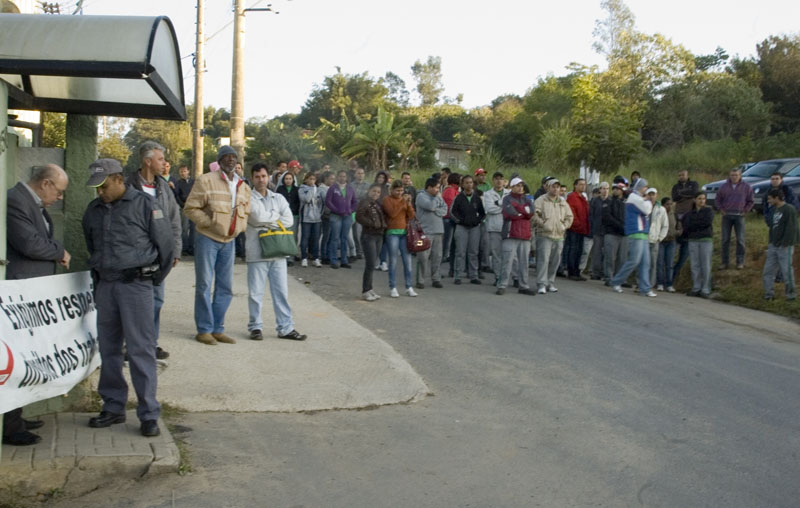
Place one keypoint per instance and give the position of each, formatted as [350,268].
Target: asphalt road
[580,398]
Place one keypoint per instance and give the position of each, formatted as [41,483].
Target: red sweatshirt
[580,212]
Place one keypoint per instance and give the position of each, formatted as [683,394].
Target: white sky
[488,48]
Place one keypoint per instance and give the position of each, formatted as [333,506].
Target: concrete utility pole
[199,70]
[237,93]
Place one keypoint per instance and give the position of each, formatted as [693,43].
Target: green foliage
[555,147]
[375,139]
[275,141]
[356,96]
[779,63]
[175,137]
[54,133]
[487,158]
[397,89]
[114,147]
[429,80]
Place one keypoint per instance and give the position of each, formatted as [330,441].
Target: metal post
[237,93]
[199,69]
[4,170]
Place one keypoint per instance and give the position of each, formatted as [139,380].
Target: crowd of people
[622,233]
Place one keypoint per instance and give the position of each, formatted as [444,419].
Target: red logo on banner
[5,372]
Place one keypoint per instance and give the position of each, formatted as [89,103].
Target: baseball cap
[545,179]
[604,185]
[295,164]
[652,190]
[551,181]
[515,181]
[480,171]
[100,169]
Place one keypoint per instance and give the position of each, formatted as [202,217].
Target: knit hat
[640,184]
[226,150]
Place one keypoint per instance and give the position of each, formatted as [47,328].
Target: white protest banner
[48,337]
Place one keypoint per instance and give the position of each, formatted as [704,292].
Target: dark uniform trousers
[125,309]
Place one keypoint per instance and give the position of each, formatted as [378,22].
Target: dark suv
[756,174]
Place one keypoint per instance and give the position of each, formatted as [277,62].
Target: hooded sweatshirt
[637,212]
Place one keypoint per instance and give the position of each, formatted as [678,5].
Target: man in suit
[32,252]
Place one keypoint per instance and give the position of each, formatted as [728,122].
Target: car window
[766,168]
[794,169]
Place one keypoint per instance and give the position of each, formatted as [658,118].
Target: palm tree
[376,139]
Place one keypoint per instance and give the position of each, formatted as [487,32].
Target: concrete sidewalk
[340,365]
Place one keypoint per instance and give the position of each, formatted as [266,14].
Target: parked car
[760,189]
[758,172]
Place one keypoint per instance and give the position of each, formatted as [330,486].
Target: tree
[555,146]
[779,63]
[397,89]
[275,141]
[113,147]
[375,138]
[357,96]
[175,137]
[54,133]
[429,80]
[714,61]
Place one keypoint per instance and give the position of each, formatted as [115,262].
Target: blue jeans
[666,253]
[396,244]
[683,255]
[340,229]
[258,272]
[310,240]
[638,256]
[735,222]
[573,248]
[212,260]
[158,302]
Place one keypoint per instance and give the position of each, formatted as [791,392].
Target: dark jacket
[614,216]
[32,252]
[370,215]
[596,216]
[783,231]
[467,212]
[165,199]
[697,224]
[788,197]
[182,190]
[683,195]
[129,233]
[292,196]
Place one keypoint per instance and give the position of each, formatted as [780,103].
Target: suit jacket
[32,251]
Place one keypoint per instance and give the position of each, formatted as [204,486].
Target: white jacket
[659,224]
[265,212]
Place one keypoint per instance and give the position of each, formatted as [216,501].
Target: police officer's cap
[100,169]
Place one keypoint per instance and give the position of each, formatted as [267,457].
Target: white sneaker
[304,262]
[617,289]
[670,289]
[651,294]
[393,293]
[368,296]
[384,267]
[542,290]
[660,287]
[410,292]
[552,289]
[376,295]
[318,263]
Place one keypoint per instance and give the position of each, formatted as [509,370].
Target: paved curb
[74,458]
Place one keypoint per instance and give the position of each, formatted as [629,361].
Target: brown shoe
[206,338]
[221,337]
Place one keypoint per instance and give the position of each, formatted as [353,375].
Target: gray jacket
[430,211]
[312,199]
[32,252]
[129,233]
[165,199]
[493,204]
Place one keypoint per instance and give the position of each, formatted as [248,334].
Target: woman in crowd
[288,189]
[325,182]
[697,228]
[382,179]
[398,210]
[311,204]
[448,245]
[373,226]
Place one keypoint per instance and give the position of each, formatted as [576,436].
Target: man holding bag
[267,209]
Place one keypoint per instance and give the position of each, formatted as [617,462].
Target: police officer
[130,247]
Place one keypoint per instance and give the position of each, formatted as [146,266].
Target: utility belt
[150,272]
